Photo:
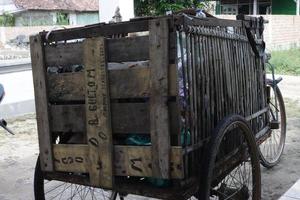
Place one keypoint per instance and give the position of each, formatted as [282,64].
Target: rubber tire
[38,183]
[263,161]
[212,151]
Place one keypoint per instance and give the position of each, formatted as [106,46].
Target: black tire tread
[212,150]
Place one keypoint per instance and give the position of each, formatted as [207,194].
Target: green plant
[62,19]
[286,61]
[7,19]
[160,7]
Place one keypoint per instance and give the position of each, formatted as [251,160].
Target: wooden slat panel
[129,160]
[98,121]
[128,49]
[125,117]
[119,50]
[68,118]
[124,83]
[41,102]
[96,30]
[159,115]
[73,158]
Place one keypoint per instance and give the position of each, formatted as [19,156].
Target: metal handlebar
[3,124]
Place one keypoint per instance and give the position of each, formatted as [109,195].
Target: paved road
[19,94]
[10,66]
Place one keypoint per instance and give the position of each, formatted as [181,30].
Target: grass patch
[286,61]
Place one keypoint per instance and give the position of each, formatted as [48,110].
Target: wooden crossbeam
[129,160]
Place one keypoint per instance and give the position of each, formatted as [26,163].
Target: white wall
[108,7]
[72,18]
[282,31]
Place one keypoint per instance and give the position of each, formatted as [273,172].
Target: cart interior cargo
[135,107]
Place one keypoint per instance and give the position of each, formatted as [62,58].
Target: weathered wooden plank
[68,118]
[159,112]
[98,120]
[118,50]
[41,102]
[96,30]
[72,158]
[128,49]
[128,160]
[125,117]
[123,83]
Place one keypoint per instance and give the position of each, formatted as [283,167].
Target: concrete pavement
[19,94]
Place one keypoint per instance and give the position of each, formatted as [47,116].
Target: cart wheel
[46,190]
[231,168]
[271,149]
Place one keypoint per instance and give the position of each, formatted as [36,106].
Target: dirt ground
[18,153]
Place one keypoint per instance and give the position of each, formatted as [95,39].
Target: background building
[260,7]
[51,12]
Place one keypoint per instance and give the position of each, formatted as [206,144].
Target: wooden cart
[166,107]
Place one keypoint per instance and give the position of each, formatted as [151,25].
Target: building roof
[70,5]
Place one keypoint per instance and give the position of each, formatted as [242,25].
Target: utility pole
[107,9]
[254,7]
[298,7]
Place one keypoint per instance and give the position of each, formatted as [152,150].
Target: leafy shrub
[7,19]
[160,7]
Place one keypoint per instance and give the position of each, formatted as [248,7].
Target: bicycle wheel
[231,170]
[52,190]
[271,149]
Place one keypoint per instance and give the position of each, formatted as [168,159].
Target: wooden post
[98,119]
[41,102]
[159,116]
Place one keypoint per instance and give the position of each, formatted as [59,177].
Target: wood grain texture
[98,120]
[159,112]
[123,83]
[41,102]
[129,160]
[96,30]
[118,50]
[127,118]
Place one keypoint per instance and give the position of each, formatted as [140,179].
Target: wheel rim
[55,190]
[237,184]
[233,167]
[239,181]
[272,148]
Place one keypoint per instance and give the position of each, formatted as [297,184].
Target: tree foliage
[160,7]
[7,19]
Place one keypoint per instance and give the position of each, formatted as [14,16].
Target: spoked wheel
[271,149]
[57,190]
[232,169]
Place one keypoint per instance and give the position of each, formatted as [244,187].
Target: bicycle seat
[1,92]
